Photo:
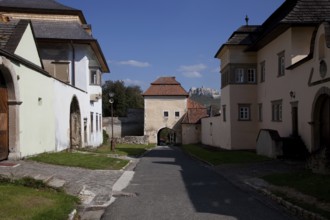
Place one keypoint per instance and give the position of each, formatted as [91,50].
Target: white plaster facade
[46,113]
[154,119]
[296,92]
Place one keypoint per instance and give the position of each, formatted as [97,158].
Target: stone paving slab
[93,186]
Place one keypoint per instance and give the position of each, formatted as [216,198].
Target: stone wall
[132,125]
[133,140]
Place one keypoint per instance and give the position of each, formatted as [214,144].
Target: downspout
[73,66]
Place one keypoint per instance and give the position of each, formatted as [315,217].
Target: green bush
[105,137]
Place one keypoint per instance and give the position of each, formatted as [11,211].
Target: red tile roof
[165,86]
[194,113]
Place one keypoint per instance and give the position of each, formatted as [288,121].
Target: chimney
[87,28]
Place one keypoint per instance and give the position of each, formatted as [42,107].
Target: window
[244,112]
[281,64]
[251,75]
[260,111]
[92,122]
[166,114]
[224,112]
[277,110]
[95,78]
[239,75]
[177,114]
[262,71]
[60,70]
[97,122]
[224,79]
[100,123]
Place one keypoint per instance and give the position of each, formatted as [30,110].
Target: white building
[51,79]
[275,79]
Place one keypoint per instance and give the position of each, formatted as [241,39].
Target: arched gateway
[9,111]
[166,136]
[75,124]
[4,133]
[321,131]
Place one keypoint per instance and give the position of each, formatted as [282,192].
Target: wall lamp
[292,94]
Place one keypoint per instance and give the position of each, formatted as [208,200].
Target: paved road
[170,185]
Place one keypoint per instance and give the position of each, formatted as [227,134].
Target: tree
[125,97]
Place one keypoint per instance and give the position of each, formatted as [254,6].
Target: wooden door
[4,149]
[294,121]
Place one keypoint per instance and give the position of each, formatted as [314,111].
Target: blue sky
[145,39]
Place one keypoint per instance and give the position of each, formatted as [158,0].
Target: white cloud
[192,71]
[192,74]
[134,63]
[134,82]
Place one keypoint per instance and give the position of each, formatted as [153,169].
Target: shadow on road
[210,192]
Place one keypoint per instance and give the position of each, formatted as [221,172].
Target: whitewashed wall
[36,113]
[37,125]
[62,102]
[213,132]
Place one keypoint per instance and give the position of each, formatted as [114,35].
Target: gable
[27,48]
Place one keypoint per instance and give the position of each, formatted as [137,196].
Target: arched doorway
[320,158]
[166,136]
[75,124]
[322,122]
[4,133]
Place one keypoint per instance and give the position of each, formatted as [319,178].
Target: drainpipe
[73,66]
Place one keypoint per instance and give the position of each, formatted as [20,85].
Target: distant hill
[207,97]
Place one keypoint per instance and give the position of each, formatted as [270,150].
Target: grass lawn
[306,182]
[88,161]
[133,150]
[22,202]
[222,156]
[309,183]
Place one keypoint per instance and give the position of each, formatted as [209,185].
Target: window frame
[177,114]
[224,116]
[281,64]
[251,72]
[244,112]
[92,122]
[260,112]
[57,70]
[94,76]
[239,75]
[164,114]
[277,110]
[262,71]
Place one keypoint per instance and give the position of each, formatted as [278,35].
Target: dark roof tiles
[34,4]
[60,30]
[6,30]
[291,12]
